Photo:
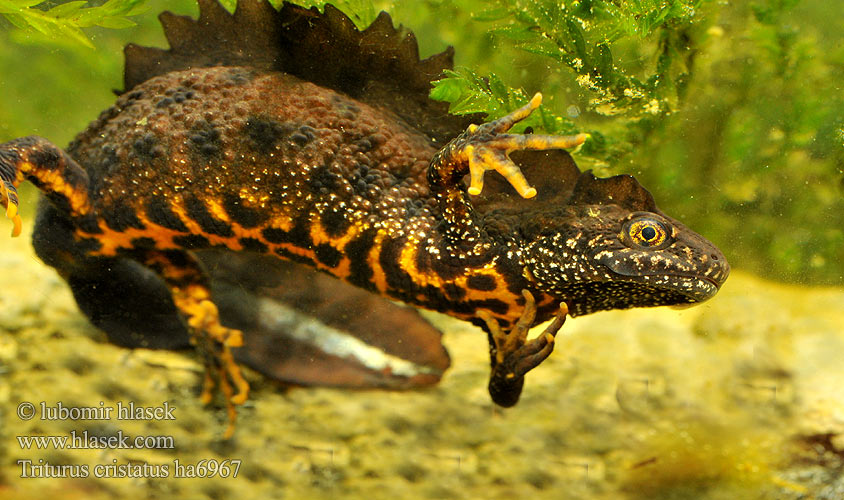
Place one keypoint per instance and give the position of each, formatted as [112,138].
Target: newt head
[609,247]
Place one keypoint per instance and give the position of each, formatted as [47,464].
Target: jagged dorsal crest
[622,190]
[559,181]
[553,173]
[379,65]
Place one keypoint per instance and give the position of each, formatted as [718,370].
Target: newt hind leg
[189,286]
[51,170]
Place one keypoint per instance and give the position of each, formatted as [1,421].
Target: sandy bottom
[742,397]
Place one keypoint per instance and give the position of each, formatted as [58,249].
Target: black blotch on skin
[323,180]
[179,259]
[47,158]
[299,235]
[109,161]
[121,217]
[191,241]
[58,200]
[481,282]
[158,211]
[245,216]
[453,291]
[253,245]
[131,253]
[328,255]
[241,76]
[135,94]
[275,235]
[357,250]
[413,207]
[335,223]
[512,274]
[143,243]
[88,224]
[494,305]
[266,133]
[401,175]
[55,242]
[397,278]
[364,145]
[89,245]
[361,180]
[182,94]
[423,262]
[206,141]
[147,148]
[197,211]
[345,107]
[299,139]
[163,103]
[72,178]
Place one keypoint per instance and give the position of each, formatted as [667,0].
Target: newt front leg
[487,147]
[512,355]
[478,149]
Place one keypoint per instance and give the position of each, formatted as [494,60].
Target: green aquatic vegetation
[66,20]
[731,113]
[581,36]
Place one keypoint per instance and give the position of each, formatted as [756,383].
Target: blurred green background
[732,114]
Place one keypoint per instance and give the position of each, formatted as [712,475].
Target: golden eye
[646,233]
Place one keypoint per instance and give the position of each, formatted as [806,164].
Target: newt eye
[645,233]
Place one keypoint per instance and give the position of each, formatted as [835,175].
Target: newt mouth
[712,281]
[701,288]
[694,288]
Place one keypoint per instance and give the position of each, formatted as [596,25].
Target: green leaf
[603,63]
[74,33]
[116,23]
[577,38]
[19,4]
[66,9]
[17,20]
[491,14]
[65,21]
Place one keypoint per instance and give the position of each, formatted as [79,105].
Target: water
[740,397]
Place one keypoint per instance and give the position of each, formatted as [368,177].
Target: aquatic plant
[729,111]
[68,19]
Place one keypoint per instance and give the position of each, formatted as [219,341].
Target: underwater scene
[432,249]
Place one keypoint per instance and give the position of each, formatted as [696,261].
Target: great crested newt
[291,133]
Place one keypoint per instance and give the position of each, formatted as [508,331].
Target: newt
[294,135]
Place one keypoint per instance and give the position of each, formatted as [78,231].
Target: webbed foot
[513,355]
[487,147]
